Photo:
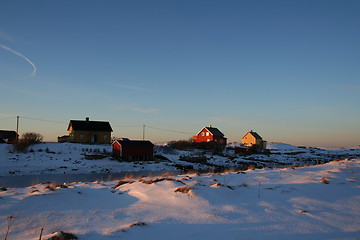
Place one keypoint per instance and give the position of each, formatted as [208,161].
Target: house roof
[87,125]
[127,142]
[214,131]
[255,135]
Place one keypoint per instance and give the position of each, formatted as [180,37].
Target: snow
[278,201]
[281,146]
[64,158]
[68,161]
[282,203]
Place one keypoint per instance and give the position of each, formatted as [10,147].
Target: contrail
[20,55]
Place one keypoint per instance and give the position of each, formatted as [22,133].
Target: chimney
[87,119]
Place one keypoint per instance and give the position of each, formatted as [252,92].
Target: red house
[210,134]
[133,150]
[211,138]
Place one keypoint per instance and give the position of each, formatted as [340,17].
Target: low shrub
[26,140]
[182,145]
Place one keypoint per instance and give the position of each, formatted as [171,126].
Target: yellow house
[252,139]
[91,132]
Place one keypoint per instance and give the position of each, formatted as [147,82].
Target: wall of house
[133,153]
[203,136]
[248,140]
[220,140]
[89,137]
[137,151]
[206,136]
[116,150]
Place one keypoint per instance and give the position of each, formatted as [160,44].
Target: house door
[94,138]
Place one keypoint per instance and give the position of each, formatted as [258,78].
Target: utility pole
[17,128]
[144,132]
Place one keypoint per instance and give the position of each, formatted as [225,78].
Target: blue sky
[289,70]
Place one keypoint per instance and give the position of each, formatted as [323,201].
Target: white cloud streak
[22,56]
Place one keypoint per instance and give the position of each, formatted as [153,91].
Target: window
[207,134]
[202,134]
[208,140]
[105,137]
[82,136]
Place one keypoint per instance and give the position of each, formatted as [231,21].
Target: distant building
[8,136]
[133,150]
[91,132]
[253,140]
[64,138]
[244,150]
[212,136]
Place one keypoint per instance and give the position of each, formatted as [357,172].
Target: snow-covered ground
[64,158]
[314,202]
[69,158]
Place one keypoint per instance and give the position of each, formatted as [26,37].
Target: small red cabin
[133,150]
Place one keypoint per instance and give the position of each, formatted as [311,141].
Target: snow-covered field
[69,158]
[315,202]
[63,158]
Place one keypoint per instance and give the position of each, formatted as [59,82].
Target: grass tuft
[137,224]
[184,189]
[324,180]
[121,182]
[51,188]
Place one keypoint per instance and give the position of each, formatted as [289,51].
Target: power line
[116,126]
[43,120]
[8,117]
[127,126]
[167,130]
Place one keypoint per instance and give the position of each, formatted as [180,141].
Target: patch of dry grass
[324,180]
[61,186]
[137,224]
[121,182]
[155,180]
[184,189]
[49,187]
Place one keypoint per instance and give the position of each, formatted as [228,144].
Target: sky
[289,70]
